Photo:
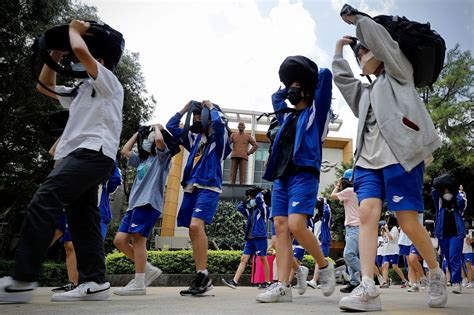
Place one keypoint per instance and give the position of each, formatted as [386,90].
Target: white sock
[368,280]
[203,271]
[436,270]
[140,279]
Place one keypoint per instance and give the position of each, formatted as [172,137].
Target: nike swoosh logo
[93,292]
[9,290]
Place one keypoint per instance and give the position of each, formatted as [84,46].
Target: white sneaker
[132,288]
[87,291]
[464,282]
[438,295]
[13,291]
[365,297]
[457,288]
[381,280]
[327,278]
[312,284]
[424,283]
[301,277]
[151,273]
[414,288]
[275,293]
[470,285]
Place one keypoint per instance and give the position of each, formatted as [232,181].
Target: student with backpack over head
[395,137]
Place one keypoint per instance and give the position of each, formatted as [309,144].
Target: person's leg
[399,272]
[283,248]
[469,271]
[71,264]
[297,224]
[455,259]
[369,211]
[199,242]
[416,266]
[122,243]
[351,254]
[385,268]
[241,268]
[139,252]
[234,163]
[56,237]
[243,171]
[266,267]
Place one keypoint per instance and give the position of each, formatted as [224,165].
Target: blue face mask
[146,145]
[252,203]
[78,67]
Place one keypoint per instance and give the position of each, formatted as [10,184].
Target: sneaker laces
[364,289]
[273,286]
[436,285]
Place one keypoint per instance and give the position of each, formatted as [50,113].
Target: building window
[261,157]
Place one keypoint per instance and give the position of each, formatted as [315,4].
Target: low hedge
[52,274]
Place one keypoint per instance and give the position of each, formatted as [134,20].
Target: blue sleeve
[326,213]
[217,122]
[134,160]
[323,96]
[435,196]
[115,180]
[278,102]
[243,209]
[462,203]
[262,207]
[173,127]
[219,135]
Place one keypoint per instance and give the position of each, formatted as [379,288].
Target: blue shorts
[390,259]
[414,251]
[404,250]
[64,228]
[295,194]
[256,246]
[298,252]
[401,190]
[139,220]
[201,204]
[468,257]
[378,260]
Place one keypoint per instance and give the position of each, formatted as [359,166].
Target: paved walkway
[166,300]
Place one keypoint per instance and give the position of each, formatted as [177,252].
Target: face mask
[369,63]
[146,145]
[196,127]
[252,203]
[448,196]
[294,95]
[78,67]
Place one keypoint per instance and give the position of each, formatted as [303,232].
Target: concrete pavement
[223,300]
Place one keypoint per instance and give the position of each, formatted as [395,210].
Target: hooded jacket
[459,208]
[259,214]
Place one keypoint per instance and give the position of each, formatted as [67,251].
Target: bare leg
[369,211]
[71,263]
[243,262]
[266,267]
[399,272]
[283,248]
[139,252]
[199,241]
[298,226]
[121,242]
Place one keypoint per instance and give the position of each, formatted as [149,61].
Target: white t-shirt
[466,248]
[403,238]
[391,247]
[94,122]
[380,245]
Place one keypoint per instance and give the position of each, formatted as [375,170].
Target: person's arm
[351,88]
[242,208]
[127,148]
[378,40]
[52,151]
[79,46]
[336,189]
[323,97]
[48,76]
[173,126]
[115,180]
[159,140]
[278,102]
[389,234]
[254,145]
[462,202]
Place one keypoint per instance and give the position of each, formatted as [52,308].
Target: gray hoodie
[401,115]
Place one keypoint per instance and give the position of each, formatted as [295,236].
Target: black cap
[301,69]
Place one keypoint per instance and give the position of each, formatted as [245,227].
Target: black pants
[72,185]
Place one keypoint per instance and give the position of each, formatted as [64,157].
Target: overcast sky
[229,51]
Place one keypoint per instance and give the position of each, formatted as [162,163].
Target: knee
[69,247]
[281,226]
[119,241]
[195,230]
[244,259]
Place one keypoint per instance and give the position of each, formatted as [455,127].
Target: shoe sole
[130,293]
[359,307]
[17,297]
[440,305]
[101,296]
[264,300]
[209,288]
[153,277]
[311,286]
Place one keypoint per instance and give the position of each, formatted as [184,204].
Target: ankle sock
[205,272]
[140,279]
[368,280]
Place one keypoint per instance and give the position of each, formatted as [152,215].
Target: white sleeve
[65,101]
[106,82]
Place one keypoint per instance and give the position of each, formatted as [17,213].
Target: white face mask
[147,143]
[78,67]
[252,203]
[369,63]
[448,196]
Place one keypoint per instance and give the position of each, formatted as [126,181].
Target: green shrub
[52,273]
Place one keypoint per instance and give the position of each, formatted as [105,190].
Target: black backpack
[424,47]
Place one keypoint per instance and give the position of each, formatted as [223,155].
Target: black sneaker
[201,284]
[348,288]
[265,285]
[230,283]
[67,287]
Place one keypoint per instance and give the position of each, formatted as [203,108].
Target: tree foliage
[24,142]
[227,228]
[451,105]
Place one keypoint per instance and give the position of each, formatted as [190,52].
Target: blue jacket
[260,216]
[325,236]
[108,187]
[311,128]
[460,207]
[208,170]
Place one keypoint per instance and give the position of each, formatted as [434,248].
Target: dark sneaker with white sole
[67,287]
[230,283]
[87,291]
[201,284]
